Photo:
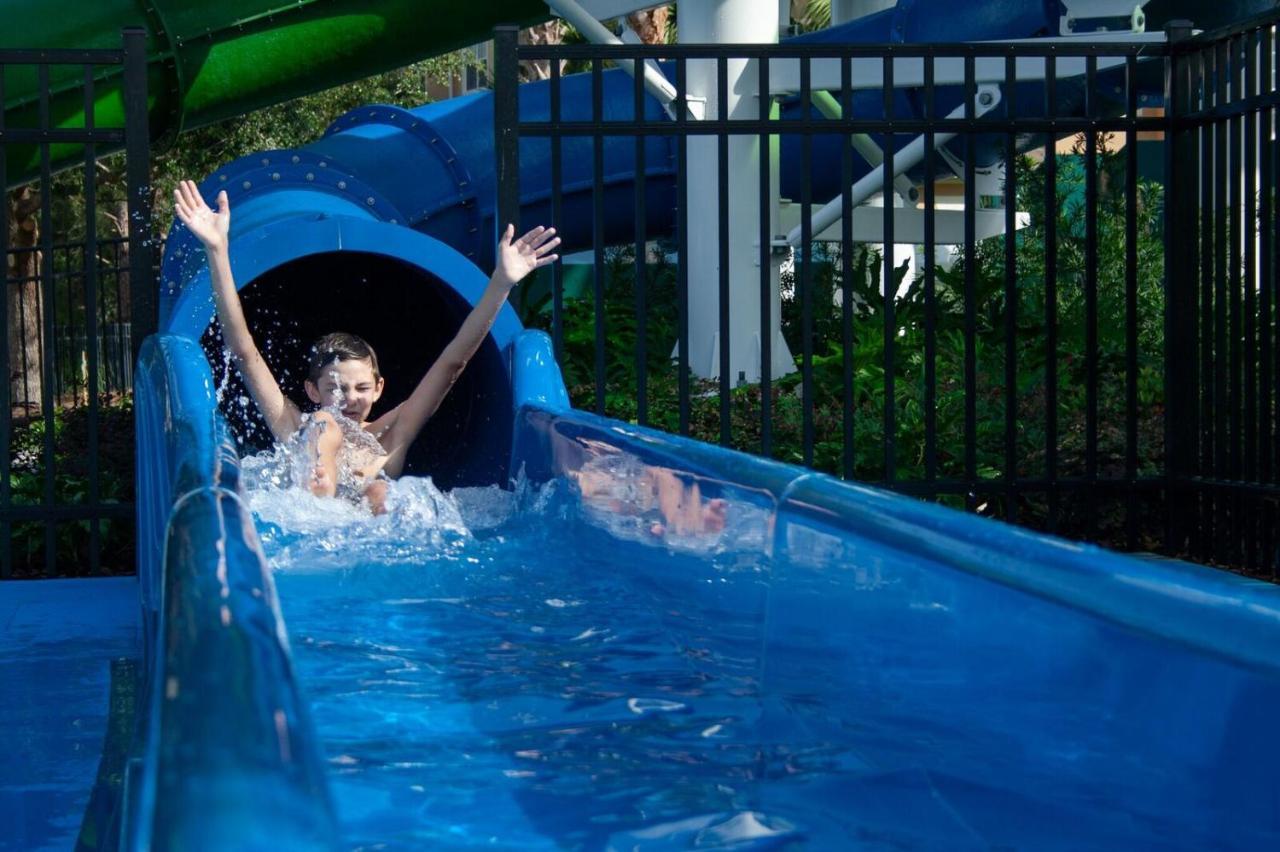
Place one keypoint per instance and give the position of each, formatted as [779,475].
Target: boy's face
[350,386]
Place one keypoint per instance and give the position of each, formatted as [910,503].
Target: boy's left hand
[517,258]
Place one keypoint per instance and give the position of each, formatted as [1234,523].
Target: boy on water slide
[343,375]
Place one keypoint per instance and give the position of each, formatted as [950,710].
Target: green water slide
[212,60]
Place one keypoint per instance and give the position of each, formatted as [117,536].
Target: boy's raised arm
[515,260]
[282,416]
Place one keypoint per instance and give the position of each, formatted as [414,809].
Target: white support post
[730,22]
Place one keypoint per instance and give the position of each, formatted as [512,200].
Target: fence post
[1181,349]
[506,136]
[143,304]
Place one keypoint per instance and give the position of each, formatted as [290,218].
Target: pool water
[529,671]
[512,687]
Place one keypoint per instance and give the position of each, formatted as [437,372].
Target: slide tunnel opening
[408,315]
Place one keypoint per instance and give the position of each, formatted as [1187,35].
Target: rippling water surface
[487,677]
[566,669]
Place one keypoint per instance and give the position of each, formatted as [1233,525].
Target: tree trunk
[651,25]
[117,301]
[25,304]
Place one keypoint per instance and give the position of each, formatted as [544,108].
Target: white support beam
[986,99]
[908,72]
[908,224]
[604,10]
[866,147]
[586,22]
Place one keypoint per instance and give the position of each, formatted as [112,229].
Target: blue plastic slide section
[227,755]
[432,168]
[995,684]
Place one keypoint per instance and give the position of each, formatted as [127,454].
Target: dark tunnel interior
[408,316]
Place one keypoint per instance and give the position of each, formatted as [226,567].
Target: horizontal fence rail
[1063,316]
[74,308]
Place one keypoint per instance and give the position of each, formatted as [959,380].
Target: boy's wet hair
[339,346]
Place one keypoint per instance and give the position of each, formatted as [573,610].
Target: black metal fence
[1222,430]
[73,311]
[1047,370]
[71,340]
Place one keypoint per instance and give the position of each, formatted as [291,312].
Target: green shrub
[71,486]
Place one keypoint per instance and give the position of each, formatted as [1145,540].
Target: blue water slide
[990,653]
[382,227]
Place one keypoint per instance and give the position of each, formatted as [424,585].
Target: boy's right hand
[209,227]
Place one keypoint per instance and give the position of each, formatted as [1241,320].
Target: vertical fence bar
[682,244]
[123,354]
[71,358]
[722,191]
[6,402]
[557,214]
[887,270]
[1091,295]
[1131,302]
[766,266]
[1208,374]
[1010,298]
[506,126]
[1179,295]
[49,352]
[1266,282]
[1235,306]
[1249,471]
[847,411]
[1222,346]
[930,283]
[144,306]
[89,258]
[970,296]
[54,349]
[805,282]
[1270,227]
[642,252]
[1051,292]
[597,229]
[48,328]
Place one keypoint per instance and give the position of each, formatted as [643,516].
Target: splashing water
[302,531]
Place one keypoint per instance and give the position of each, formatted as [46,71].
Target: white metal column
[729,22]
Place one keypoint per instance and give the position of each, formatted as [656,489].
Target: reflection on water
[482,673]
[540,669]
